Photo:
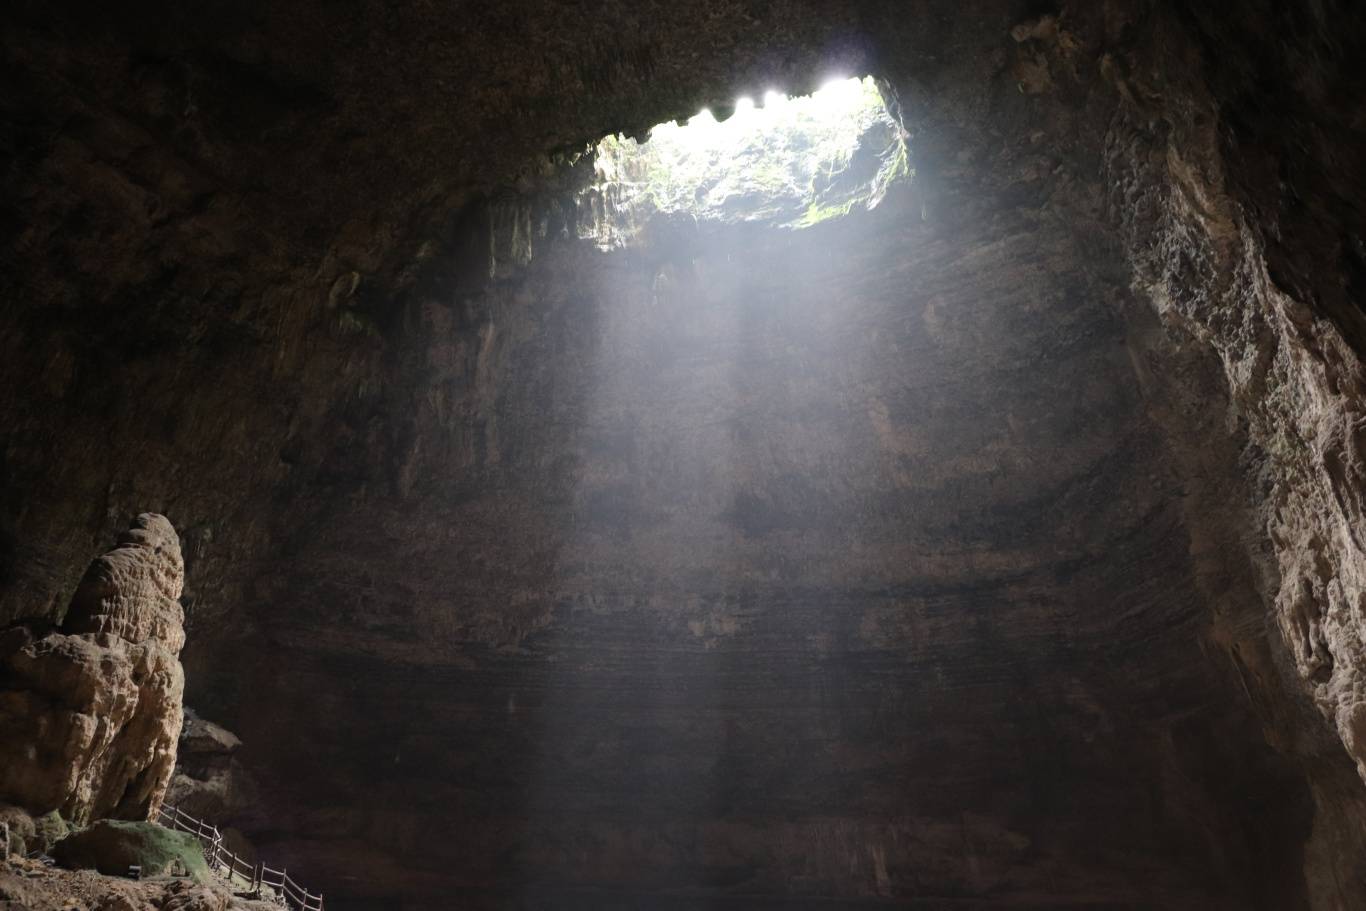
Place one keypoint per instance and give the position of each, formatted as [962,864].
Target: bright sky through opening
[793,162]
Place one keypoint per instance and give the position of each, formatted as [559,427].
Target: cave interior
[603,483]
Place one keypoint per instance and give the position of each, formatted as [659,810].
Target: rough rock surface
[92,710]
[133,591]
[211,784]
[1000,546]
[112,846]
[205,744]
[29,886]
[1219,276]
[20,826]
[28,834]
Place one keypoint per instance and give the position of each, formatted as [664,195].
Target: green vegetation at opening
[793,162]
[112,846]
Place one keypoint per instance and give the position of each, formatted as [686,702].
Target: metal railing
[234,868]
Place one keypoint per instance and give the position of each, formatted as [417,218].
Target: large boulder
[92,711]
[204,743]
[112,846]
[209,782]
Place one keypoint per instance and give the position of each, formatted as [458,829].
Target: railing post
[291,894]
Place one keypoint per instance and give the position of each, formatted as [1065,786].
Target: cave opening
[940,489]
[790,162]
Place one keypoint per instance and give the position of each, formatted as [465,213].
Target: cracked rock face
[998,546]
[92,710]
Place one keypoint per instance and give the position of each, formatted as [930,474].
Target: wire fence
[255,878]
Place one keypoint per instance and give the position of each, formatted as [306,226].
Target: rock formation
[111,846]
[91,711]
[211,784]
[207,778]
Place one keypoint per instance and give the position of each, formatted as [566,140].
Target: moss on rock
[48,829]
[112,846]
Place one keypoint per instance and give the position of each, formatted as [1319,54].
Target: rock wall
[210,783]
[1216,263]
[889,492]
[1214,160]
[92,710]
[208,780]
